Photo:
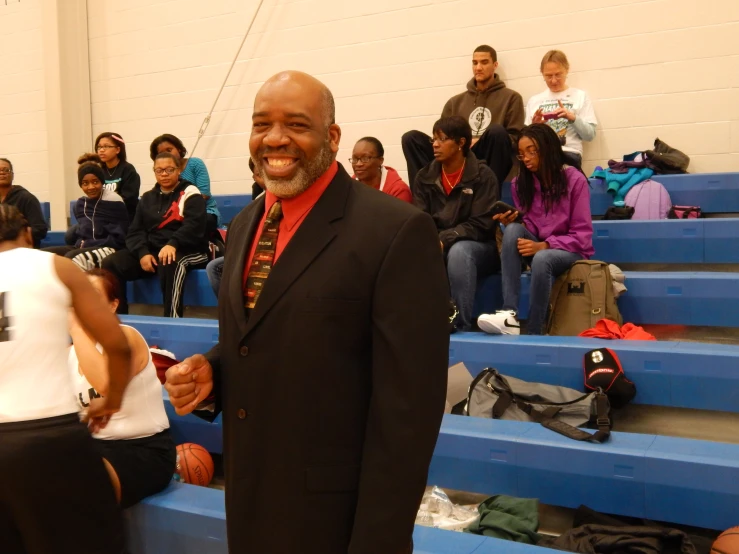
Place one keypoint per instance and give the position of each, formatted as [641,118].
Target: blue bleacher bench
[713,192]
[665,298]
[187,519]
[667,241]
[670,298]
[674,374]
[53,238]
[229,205]
[676,480]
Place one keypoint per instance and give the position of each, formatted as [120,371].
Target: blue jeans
[467,262]
[214,271]
[546,265]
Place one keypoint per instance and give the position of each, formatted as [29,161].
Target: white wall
[22,100]
[655,68]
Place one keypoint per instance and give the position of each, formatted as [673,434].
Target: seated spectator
[137,449]
[458,191]
[120,176]
[567,110]
[102,219]
[495,114]
[557,231]
[194,171]
[167,236]
[26,203]
[214,269]
[367,159]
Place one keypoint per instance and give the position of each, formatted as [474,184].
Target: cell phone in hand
[501,207]
[550,115]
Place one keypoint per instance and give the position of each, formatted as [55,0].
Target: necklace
[110,173]
[459,178]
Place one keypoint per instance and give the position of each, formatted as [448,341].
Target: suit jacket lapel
[314,234]
[239,244]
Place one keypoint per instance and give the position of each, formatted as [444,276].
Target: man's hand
[189,383]
[528,248]
[538,117]
[167,255]
[563,112]
[148,263]
[506,218]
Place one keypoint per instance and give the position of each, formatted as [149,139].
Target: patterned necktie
[264,256]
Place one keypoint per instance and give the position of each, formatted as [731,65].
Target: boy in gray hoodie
[495,113]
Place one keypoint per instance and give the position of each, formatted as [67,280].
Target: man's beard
[303,179]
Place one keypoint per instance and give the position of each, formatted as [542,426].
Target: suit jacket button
[244,351]
[241,413]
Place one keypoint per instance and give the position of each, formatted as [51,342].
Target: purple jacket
[568,226]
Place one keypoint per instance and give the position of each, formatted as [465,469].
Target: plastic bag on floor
[438,511]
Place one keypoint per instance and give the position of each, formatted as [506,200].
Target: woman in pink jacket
[367,158]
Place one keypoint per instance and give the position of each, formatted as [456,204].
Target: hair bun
[89,158]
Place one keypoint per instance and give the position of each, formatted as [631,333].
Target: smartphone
[550,115]
[501,207]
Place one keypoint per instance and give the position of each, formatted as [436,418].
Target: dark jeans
[545,267]
[214,270]
[86,258]
[494,148]
[127,267]
[468,262]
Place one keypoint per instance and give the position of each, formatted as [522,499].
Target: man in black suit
[332,362]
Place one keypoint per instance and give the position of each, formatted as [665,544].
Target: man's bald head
[294,138]
[311,87]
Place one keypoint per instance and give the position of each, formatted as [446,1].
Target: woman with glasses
[193,170]
[553,199]
[459,191]
[120,176]
[567,110]
[367,162]
[102,219]
[26,203]
[166,238]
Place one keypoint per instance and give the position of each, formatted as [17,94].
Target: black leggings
[55,494]
[127,267]
[86,258]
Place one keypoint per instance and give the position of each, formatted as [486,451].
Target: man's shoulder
[378,209]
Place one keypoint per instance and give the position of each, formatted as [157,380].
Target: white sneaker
[502,322]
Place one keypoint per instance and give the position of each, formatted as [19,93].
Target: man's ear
[334,137]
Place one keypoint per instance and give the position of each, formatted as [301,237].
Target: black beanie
[90,168]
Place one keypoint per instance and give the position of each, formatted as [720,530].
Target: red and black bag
[163,360]
[684,212]
[603,371]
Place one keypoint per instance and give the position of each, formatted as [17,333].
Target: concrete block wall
[655,68]
[22,100]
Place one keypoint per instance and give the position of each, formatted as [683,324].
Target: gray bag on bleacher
[560,409]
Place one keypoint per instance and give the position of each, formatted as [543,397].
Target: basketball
[194,464]
[727,542]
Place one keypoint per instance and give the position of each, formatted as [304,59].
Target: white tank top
[142,410]
[34,307]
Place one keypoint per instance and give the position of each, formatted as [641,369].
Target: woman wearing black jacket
[102,219]
[166,237]
[27,204]
[120,176]
[458,191]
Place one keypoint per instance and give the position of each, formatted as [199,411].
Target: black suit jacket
[333,391]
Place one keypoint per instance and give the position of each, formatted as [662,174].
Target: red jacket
[607,329]
[392,184]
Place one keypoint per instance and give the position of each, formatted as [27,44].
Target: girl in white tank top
[135,445]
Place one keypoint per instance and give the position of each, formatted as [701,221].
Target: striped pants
[86,258]
[127,267]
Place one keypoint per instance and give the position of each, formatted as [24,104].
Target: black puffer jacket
[466,214]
